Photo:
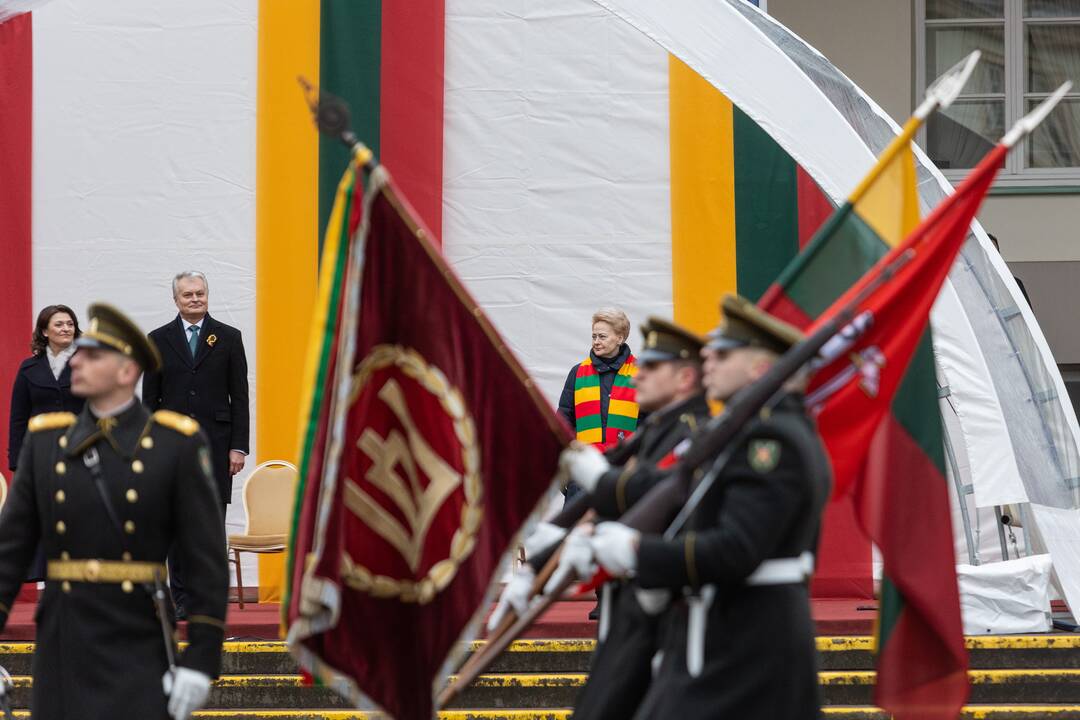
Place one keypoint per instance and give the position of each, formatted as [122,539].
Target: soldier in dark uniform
[668,387]
[107,493]
[739,643]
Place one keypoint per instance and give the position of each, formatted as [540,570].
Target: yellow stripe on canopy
[286,223]
[702,197]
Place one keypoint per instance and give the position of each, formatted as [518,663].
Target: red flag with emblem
[438,447]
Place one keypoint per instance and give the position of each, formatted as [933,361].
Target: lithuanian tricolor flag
[880,420]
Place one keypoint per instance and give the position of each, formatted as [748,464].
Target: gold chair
[268,502]
[3,489]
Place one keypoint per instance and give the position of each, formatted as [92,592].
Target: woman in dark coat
[598,399]
[43,383]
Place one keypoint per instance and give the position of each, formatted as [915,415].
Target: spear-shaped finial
[331,115]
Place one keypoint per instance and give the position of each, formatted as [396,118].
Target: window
[1029,47]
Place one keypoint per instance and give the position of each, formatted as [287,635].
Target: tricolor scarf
[622,411]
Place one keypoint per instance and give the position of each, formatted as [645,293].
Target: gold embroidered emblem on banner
[407,481]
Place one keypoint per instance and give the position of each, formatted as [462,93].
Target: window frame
[1014,174]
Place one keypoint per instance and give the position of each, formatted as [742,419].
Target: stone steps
[1022,677]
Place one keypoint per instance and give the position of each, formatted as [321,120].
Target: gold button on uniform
[131,495]
[61,528]
[126,586]
[126,557]
[60,496]
[147,442]
[137,466]
[129,527]
[61,468]
[93,570]
[65,586]
[65,555]
[63,441]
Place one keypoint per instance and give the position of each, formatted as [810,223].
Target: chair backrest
[268,498]
[3,489]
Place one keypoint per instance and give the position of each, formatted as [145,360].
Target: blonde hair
[614,317]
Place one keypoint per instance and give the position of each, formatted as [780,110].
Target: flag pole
[940,95]
[500,639]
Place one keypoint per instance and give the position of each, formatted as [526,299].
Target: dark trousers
[176,572]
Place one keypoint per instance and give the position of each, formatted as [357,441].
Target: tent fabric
[1043,430]
[145,168]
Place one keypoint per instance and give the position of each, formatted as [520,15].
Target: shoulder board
[175,421]
[51,421]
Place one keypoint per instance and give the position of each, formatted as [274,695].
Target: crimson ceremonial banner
[435,449]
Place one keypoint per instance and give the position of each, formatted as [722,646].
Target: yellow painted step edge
[563,714]
[497,680]
[824,644]
[970,712]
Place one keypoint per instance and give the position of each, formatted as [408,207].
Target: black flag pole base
[332,118]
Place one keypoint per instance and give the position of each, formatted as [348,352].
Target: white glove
[544,536]
[615,548]
[652,602]
[187,690]
[576,557]
[516,595]
[584,464]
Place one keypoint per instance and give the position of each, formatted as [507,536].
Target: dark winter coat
[607,370]
[212,387]
[34,392]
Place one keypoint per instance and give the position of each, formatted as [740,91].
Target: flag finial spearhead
[1027,124]
[942,92]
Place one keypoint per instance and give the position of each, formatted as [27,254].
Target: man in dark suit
[203,376]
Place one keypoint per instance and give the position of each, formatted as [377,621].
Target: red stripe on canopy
[411,122]
[814,206]
[16,109]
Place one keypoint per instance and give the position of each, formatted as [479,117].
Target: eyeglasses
[599,336]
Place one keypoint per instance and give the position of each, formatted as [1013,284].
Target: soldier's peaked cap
[665,341]
[111,329]
[744,324]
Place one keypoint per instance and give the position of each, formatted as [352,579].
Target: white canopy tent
[1011,420]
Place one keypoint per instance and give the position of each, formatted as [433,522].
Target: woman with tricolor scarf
[598,398]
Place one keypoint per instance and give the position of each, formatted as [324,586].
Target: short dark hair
[38,343]
[695,365]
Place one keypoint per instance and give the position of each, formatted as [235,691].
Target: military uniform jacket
[619,488]
[621,666]
[100,651]
[759,654]
[211,387]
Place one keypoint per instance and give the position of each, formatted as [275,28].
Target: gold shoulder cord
[51,421]
[175,421]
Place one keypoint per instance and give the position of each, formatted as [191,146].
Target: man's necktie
[193,339]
